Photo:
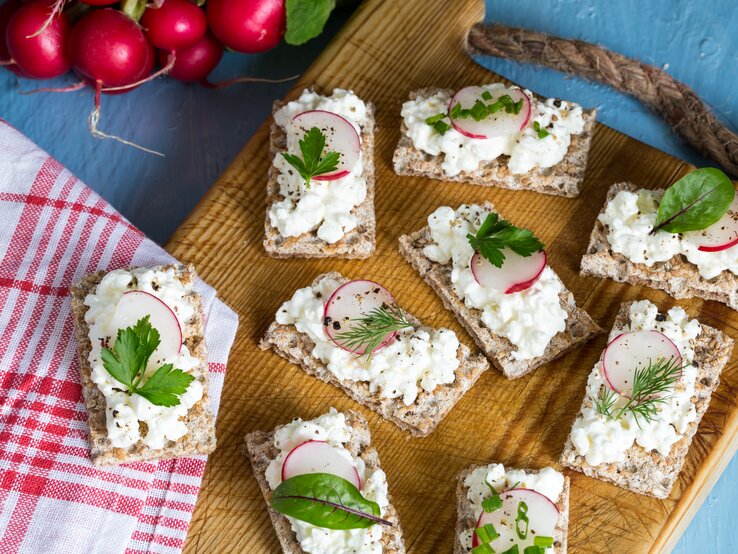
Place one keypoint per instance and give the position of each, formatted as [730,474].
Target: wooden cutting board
[387,49]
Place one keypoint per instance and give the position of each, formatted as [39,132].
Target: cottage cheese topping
[631,216]
[547,481]
[125,413]
[416,360]
[601,440]
[529,319]
[527,151]
[332,428]
[326,205]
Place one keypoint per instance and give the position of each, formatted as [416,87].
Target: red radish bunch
[113,45]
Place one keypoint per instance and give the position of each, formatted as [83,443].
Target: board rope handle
[675,102]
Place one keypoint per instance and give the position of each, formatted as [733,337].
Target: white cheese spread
[326,206]
[630,217]
[547,481]
[529,319]
[331,428]
[526,151]
[418,359]
[124,412]
[602,440]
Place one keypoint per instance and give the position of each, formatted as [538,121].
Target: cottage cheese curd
[528,319]
[326,205]
[418,359]
[125,412]
[547,481]
[331,428]
[601,440]
[527,151]
[630,217]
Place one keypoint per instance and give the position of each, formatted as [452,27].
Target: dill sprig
[650,383]
[369,330]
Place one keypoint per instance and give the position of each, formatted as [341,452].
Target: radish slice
[319,457]
[635,350]
[497,124]
[137,304]
[722,234]
[340,136]
[516,274]
[543,515]
[353,301]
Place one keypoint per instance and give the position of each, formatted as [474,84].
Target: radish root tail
[163,71]
[70,88]
[223,84]
[94,119]
[56,9]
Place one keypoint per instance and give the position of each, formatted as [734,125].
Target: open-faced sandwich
[324,487]
[495,278]
[320,191]
[645,398]
[495,135]
[683,240]
[143,364]
[353,335]
[511,511]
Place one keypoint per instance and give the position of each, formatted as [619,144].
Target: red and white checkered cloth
[54,230]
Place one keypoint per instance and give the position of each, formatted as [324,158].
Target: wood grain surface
[386,50]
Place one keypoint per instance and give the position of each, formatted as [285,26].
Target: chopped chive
[542,133]
[483,548]
[545,542]
[534,550]
[513,550]
[441,127]
[518,106]
[432,119]
[456,111]
[479,111]
[521,518]
[486,533]
[486,96]
[492,503]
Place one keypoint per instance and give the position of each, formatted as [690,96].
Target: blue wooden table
[200,131]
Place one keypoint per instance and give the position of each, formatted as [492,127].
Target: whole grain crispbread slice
[200,437]
[419,418]
[465,517]
[580,327]
[648,472]
[261,451]
[358,243]
[562,179]
[677,276]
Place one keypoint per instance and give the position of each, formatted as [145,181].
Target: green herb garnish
[326,501]
[313,163]
[649,383]
[542,132]
[543,542]
[534,549]
[368,331]
[128,359]
[478,111]
[483,548]
[695,201]
[522,518]
[486,533]
[512,550]
[496,234]
[493,502]
[436,121]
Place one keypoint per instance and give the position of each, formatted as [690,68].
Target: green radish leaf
[306,19]
[326,501]
[695,201]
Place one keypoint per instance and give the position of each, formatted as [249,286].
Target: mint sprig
[496,234]
[128,359]
[313,163]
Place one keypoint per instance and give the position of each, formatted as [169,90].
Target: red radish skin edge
[518,287]
[604,370]
[711,248]
[179,327]
[284,463]
[392,337]
[475,539]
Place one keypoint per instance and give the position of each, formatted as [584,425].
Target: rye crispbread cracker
[562,179]
[650,473]
[261,450]
[677,276]
[419,418]
[360,242]
[465,518]
[200,438]
[580,327]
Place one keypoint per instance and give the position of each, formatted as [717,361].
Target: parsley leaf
[542,132]
[313,162]
[127,361]
[496,234]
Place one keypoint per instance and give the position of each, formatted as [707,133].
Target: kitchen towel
[53,231]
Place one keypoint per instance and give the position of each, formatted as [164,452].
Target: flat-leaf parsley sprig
[369,330]
[496,234]
[313,162]
[128,359]
[650,383]
[477,112]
